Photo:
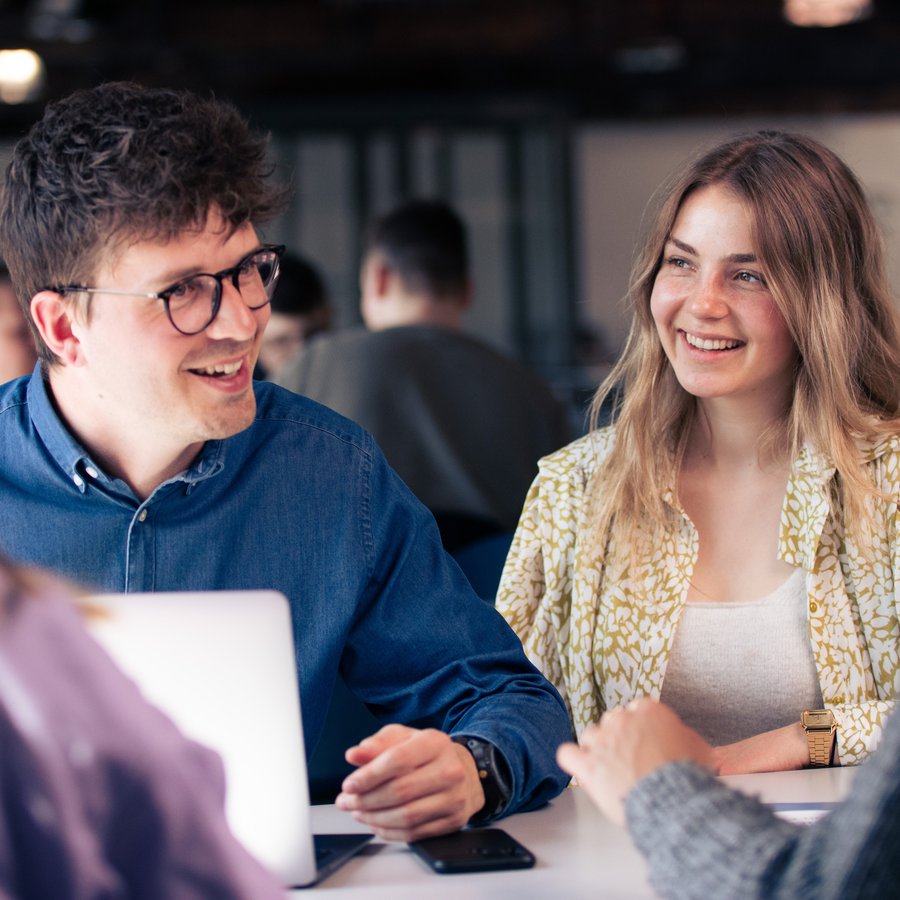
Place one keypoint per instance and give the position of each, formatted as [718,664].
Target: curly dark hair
[121,162]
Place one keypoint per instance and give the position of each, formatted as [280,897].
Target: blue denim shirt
[302,501]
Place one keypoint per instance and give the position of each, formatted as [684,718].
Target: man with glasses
[142,456]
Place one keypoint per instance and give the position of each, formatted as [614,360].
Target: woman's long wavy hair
[822,255]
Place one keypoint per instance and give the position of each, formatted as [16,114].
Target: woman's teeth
[703,344]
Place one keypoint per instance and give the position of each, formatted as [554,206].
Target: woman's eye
[751,278]
[677,262]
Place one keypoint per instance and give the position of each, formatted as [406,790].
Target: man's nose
[235,319]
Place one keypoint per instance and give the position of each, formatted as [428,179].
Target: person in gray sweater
[645,768]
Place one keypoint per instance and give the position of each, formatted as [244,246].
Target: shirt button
[91,471]
[813,606]
[142,515]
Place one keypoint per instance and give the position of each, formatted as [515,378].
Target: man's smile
[218,369]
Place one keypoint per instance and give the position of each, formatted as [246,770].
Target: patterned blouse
[603,634]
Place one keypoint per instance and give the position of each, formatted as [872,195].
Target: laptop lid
[221,664]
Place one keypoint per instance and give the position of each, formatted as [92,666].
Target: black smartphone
[473,850]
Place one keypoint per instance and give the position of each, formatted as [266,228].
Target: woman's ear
[52,315]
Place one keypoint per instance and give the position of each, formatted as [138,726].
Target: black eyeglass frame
[232,272]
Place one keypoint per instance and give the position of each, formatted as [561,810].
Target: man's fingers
[381,757]
[374,745]
[414,754]
[421,785]
[429,815]
[433,778]
[426,830]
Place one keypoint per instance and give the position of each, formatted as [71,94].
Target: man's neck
[412,310]
[118,450]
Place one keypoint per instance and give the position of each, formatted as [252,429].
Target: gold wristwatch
[820,727]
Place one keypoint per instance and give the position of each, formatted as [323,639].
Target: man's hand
[411,784]
[627,744]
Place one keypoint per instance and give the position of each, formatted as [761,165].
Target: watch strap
[493,773]
[820,738]
[821,747]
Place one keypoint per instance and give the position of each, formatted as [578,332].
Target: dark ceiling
[309,60]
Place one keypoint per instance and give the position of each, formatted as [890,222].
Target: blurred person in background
[462,424]
[300,310]
[17,351]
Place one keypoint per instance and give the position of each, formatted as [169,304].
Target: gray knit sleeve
[703,840]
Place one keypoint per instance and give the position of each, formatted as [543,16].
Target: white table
[579,853]
[805,786]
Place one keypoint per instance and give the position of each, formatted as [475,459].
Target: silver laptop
[221,664]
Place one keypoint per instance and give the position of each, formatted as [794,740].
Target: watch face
[817,718]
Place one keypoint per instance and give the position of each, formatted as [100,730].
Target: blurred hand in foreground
[628,743]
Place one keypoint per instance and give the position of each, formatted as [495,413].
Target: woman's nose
[707,300]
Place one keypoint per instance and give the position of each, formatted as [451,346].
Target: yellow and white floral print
[602,634]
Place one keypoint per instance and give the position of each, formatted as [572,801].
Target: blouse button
[142,515]
[813,606]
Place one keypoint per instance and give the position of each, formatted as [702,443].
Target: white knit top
[739,669]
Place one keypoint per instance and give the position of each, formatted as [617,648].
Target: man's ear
[383,276]
[375,276]
[53,318]
[374,285]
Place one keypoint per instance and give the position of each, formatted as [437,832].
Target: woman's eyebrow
[732,257]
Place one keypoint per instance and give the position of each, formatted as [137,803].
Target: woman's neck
[726,437]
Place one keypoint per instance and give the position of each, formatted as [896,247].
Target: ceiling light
[826,13]
[21,76]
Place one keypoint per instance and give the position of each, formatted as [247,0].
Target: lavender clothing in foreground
[703,840]
[100,795]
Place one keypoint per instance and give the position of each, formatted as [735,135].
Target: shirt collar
[75,460]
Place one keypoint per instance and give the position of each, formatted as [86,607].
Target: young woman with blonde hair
[730,544]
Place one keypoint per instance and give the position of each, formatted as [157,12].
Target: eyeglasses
[193,303]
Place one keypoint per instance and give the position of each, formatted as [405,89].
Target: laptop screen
[221,664]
